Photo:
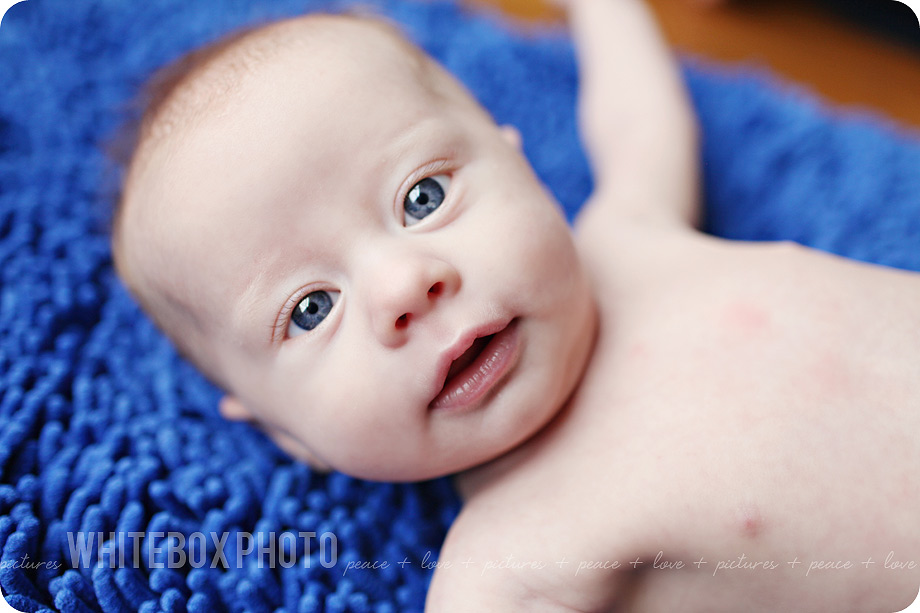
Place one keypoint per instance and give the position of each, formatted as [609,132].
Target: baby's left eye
[311,311]
[424,197]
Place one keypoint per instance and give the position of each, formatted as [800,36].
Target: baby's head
[330,227]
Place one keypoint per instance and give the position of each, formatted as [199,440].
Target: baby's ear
[231,408]
[511,135]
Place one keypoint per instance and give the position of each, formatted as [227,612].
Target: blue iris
[312,310]
[424,197]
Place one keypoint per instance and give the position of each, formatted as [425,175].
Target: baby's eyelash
[440,166]
[280,327]
[278,330]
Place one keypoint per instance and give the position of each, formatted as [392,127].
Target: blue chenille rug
[107,436]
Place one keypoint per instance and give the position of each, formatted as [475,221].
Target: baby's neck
[480,478]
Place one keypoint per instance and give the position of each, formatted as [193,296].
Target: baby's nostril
[402,321]
[436,289]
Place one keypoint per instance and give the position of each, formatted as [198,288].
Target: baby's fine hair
[193,83]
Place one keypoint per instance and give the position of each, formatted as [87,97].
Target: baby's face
[370,267]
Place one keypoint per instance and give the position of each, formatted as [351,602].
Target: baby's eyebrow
[427,130]
[401,147]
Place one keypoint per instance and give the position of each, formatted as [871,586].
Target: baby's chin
[422,471]
[423,468]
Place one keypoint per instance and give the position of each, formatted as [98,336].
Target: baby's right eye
[311,311]
[424,197]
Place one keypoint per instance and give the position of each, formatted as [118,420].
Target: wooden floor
[797,39]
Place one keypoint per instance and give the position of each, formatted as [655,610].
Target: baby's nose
[406,291]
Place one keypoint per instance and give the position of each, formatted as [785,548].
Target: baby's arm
[469,578]
[636,119]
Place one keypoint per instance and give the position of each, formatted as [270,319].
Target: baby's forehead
[333,47]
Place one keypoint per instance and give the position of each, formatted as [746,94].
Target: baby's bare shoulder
[514,551]
[643,259]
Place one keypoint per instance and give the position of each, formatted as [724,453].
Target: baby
[640,417]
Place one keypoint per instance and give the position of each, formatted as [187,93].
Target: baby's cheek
[549,258]
[356,401]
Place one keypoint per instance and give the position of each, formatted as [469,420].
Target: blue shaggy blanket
[121,488]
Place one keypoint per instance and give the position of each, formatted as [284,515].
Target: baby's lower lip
[469,385]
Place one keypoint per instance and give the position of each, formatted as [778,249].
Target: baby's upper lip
[459,347]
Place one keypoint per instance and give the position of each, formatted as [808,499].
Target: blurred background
[862,53]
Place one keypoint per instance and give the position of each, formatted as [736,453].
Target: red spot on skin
[638,350]
[751,527]
[831,375]
[746,318]
[751,521]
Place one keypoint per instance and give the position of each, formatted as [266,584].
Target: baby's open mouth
[468,357]
[478,369]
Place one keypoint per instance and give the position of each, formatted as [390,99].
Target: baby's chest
[738,374]
[766,411]
[736,337]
